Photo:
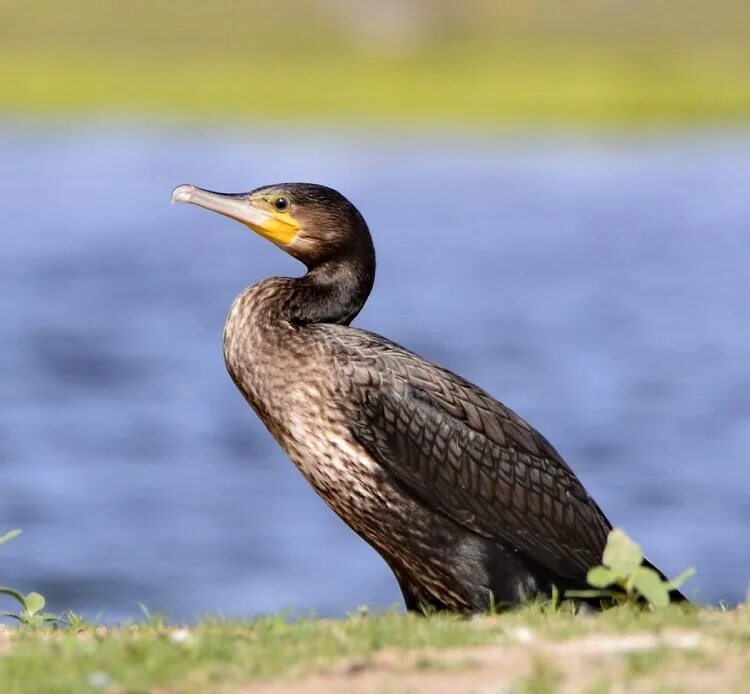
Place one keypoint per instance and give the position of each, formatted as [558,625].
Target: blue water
[601,287]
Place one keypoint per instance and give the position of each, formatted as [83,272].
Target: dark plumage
[465,501]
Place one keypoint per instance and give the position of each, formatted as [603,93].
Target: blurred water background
[600,287]
[559,200]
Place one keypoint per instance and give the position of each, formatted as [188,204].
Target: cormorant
[468,504]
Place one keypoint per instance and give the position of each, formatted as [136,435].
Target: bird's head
[311,222]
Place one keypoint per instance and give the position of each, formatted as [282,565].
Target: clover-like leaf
[34,603]
[679,580]
[601,577]
[9,536]
[621,554]
[651,586]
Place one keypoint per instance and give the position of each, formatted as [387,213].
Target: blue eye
[281,204]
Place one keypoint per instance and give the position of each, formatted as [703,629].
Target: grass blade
[13,594]
[9,536]
[679,580]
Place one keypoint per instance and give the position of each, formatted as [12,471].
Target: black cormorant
[467,503]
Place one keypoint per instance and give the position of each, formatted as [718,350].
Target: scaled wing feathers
[460,451]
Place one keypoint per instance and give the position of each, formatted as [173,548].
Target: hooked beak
[280,228]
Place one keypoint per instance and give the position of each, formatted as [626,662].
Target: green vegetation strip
[531,86]
[418,64]
[229,654]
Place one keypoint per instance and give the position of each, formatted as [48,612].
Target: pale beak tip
[183,193]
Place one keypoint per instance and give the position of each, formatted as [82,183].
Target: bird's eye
[281,204]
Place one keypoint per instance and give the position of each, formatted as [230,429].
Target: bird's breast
[317,438]
[312,428]
[287,374]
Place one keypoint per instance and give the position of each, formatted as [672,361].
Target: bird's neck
[332,292]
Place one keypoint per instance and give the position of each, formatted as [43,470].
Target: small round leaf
[34,602]
[651,586]
[621,554]
[601,577]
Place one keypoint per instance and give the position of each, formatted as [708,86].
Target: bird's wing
[462,452]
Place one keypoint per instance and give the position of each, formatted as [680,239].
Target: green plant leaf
[555,597]
[34,602]
[679,580]
[75,621]
[32,620]
[589,594]
[146,612]
[9,536]
[601,577]
[621,554]
[651,586]
[4,590]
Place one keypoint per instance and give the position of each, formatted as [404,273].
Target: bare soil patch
[681,660]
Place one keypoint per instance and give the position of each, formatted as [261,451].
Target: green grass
[584,88]
[594,65]
[224,655]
